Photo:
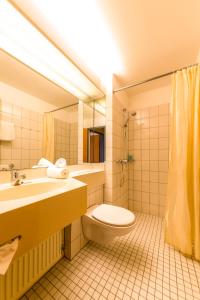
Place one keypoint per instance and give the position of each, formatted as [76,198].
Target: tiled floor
[137,266]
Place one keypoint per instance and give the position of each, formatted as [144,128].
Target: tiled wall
[66,141]
[25,150]
[149,144]
[73,149]
[116,183]
[120,146]
[62,139]
[80,132]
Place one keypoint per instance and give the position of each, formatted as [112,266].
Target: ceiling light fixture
[22,40]
[81,28]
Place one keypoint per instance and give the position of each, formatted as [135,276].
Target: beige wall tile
[153,143]
[145,165]
[153,122]
[153,165]
[153,154]
[163,120]
[154,177]
[163,155]
[153,111]
[153,133]
[145,175]
[163,143]
[163,131]
[145,144]
[145,155]
[163,109]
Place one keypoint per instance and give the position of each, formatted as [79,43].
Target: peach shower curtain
[183,199]
[48,136]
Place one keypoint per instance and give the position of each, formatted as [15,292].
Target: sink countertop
[64,185]
[78,173]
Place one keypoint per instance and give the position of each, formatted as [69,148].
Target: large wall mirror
[66,134]
[26,100]
[94,131]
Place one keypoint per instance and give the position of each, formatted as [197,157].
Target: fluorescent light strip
[23,41]
[84,29]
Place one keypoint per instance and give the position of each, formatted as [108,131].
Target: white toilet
[103,223]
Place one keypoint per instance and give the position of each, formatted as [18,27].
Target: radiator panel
[27,269]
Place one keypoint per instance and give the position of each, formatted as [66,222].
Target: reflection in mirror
[60,134]
[94,131]
[25,98]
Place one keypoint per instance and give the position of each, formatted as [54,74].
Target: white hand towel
[61,163]
[43,162]
[59,173]
[7,252]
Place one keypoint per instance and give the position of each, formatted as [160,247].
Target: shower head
[133,114]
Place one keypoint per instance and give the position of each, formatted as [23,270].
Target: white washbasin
[29,189]
[38,208]
[12,197]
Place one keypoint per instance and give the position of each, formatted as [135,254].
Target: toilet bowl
[103,223]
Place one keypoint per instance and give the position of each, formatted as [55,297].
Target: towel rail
[11,240]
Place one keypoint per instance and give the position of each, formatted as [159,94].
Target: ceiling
[152,37]
[22,77]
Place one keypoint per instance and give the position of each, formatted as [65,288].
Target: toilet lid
[113,215]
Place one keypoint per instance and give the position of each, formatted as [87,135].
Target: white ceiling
[152,36]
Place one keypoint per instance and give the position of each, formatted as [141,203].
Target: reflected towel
[60,173]
[7,252]
[43,163]
[61,163]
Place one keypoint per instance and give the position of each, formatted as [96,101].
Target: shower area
[140,157]
[127,157]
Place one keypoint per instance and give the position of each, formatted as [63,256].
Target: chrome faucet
[16,178]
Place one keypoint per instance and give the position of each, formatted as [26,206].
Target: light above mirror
[82,29]
[21,39]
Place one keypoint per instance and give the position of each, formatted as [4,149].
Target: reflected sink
[29,189]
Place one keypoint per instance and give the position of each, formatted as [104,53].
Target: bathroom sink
[29,188]
[38,208]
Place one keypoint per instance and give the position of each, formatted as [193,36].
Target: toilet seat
[113,215]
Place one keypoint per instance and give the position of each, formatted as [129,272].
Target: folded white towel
[7,252]
[60,173]
[61,163]
[44,163]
